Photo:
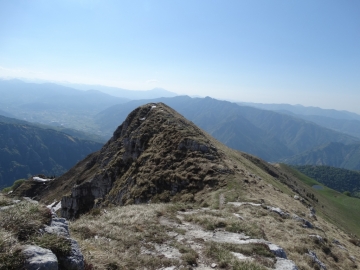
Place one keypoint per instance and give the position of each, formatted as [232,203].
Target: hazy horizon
[250,51]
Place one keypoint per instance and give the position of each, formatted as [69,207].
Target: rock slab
[38,258]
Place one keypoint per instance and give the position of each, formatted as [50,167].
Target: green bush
[16,184]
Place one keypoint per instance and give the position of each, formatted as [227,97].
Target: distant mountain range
[124,93]
[274,132]
[53,104]
[3,113]
[269,135]
[342,121]
[26,150]
[350,127]
[304,110]
[333,154]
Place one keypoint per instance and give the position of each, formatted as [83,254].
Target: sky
[269,51]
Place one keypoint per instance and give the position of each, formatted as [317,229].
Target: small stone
[315,259]
[213,265]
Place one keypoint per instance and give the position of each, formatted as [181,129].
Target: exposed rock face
[154,155]
[38,258]
[74,260]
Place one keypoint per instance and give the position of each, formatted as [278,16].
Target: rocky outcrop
[74,260]
[154,155]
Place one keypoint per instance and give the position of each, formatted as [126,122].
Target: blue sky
[270,51]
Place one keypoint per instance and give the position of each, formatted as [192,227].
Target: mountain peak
[155,154]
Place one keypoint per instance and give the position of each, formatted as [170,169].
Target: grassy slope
[338,208]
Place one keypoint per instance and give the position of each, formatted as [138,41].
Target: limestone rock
[278,251]
[284,264]
[278,211]
[318,237]
[58,226]
[74,261]
[306,223]
[313,256]
[38,258]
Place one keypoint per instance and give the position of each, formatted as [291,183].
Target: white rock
[284,264]
[39,179]
[241,257]
[278,211]
[37,258]
[244,203]
[238,216]
[278,251]
[317,237]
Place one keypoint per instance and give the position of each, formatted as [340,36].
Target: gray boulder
[37,258]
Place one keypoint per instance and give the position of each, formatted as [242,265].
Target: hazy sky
[270,51]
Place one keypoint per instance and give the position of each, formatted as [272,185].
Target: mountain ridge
[247,129]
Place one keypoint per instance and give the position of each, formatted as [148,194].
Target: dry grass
[10,257]
[212,220]
[222,254]
[20,224]
[118,236]
[24,219]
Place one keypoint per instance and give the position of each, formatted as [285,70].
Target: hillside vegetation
[332,154]
[26,150]
[334,206]
[339,179]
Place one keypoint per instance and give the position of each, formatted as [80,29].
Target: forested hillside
[333,154]
[26,150]
[339,179]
